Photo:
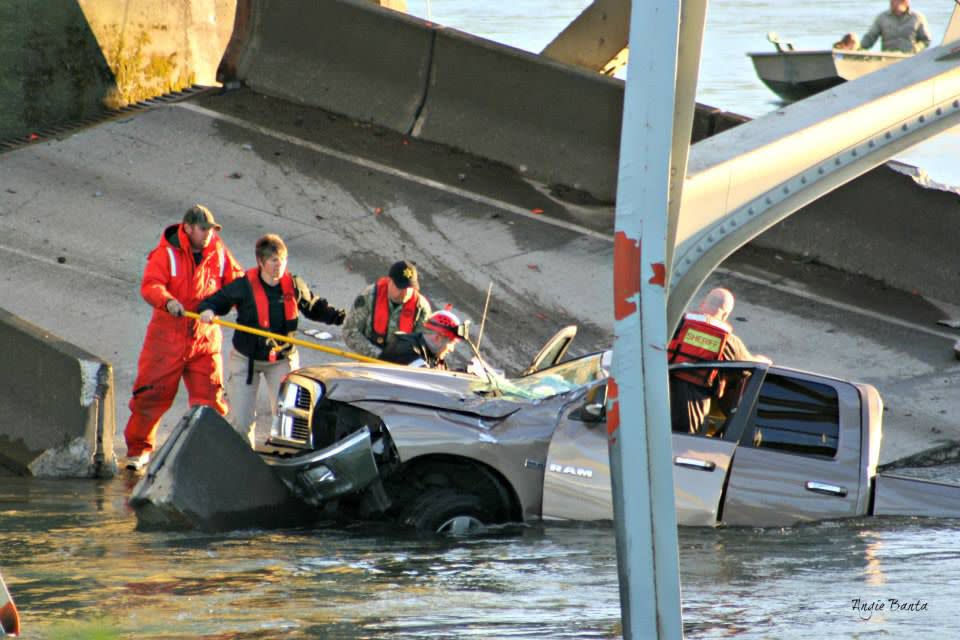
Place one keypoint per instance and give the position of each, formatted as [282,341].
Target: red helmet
[445,323]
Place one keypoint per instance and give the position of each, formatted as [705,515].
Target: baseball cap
[200,216]
[404,274]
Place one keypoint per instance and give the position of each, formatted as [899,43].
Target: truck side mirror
[593,412]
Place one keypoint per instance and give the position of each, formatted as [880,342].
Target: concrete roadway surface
[79,215]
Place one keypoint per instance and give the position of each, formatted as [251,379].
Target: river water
[78,568]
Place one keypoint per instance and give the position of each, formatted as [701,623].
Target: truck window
[795,416]
[704,400]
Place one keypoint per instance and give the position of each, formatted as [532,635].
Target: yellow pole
[282,338]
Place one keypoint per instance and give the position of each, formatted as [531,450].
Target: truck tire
[447,512]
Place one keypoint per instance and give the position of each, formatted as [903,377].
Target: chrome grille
[301,428]
[293,425]
[303,398]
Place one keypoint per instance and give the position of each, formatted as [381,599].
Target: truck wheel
[447,512]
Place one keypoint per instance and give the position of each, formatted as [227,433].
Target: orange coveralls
[175,347]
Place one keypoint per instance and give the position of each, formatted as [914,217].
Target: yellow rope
[282,338]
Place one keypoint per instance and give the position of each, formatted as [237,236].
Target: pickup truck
[450,452]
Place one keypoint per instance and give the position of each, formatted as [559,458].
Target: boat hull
[794,75]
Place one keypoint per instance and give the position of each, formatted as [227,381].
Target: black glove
[338,318]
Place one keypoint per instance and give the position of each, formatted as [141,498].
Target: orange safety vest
[263,307]
[381,312]
[698,339]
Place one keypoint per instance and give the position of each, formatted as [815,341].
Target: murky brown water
[79,569]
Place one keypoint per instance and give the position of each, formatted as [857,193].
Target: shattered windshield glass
[546,383]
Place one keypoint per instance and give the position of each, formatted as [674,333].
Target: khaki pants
[242,397]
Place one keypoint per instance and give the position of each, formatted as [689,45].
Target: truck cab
[775,447]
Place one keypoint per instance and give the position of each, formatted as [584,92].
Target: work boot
[136,463]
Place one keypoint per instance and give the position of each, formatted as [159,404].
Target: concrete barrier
[883,225]
[51,66]
[157,46]
[65,60]
[57,412]
[349,57]
[557,123]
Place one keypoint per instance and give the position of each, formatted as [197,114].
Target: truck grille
[301,429]
[293,425]
[303,398]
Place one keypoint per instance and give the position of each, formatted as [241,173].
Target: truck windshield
[555,380]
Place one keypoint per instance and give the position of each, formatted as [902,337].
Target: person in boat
[899,29]
[848,42]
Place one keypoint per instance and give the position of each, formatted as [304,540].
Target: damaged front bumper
[345,467]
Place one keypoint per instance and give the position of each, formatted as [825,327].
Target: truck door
[577,474]
[799,455]
[552,351]
[706,424]
[576,481]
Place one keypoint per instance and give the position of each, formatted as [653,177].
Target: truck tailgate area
[898,495]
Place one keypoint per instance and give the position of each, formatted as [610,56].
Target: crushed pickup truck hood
[349,382]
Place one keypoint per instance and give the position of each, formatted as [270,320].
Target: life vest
[263,306]
[699,339]
[381,312]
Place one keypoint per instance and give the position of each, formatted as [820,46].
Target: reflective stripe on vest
[698,339]
[173,263]
[381,312]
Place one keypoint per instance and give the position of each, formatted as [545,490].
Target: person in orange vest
[271,299]
[703,336]
[391,304]
[189,263]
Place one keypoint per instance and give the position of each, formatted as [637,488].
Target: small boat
[794,75]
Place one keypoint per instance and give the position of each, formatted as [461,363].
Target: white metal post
[638,412]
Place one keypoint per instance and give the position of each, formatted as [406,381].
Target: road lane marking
[836,304]
[80,270]
[392,171]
